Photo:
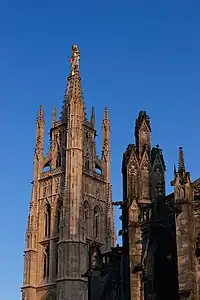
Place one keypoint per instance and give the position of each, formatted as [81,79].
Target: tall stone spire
[110,239]
[74,145]
[71,240]
[71,204]
[106,139]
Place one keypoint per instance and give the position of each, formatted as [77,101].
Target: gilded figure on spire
[75,59]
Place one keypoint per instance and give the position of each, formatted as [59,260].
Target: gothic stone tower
[186,197]
[71,201]
[143,172]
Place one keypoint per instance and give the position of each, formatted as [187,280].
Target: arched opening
[28,241]
[96,222]
[98,170]
[165,259]
[46,167]
[47,220]
[46,262]
[86,217]
[145,183]
[58,160]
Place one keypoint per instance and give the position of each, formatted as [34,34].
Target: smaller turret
[39,147]
[183,196]
[157,173]
[143,133]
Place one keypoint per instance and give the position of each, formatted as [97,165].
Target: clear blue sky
[134,55]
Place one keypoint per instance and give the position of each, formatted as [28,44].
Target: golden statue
[75,59]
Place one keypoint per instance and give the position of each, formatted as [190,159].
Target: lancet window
[46,262]
[58,160]
[96,222]
[86,217]
[47,219]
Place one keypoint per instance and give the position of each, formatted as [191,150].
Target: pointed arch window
[28,241]
[133,181]
[47,220]
[46,262]
[145,182]
[96,222]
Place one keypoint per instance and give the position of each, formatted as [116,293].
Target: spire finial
[40,113]
[92,119]
[106,117]
[73,89]
[181,164]
[75,58]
